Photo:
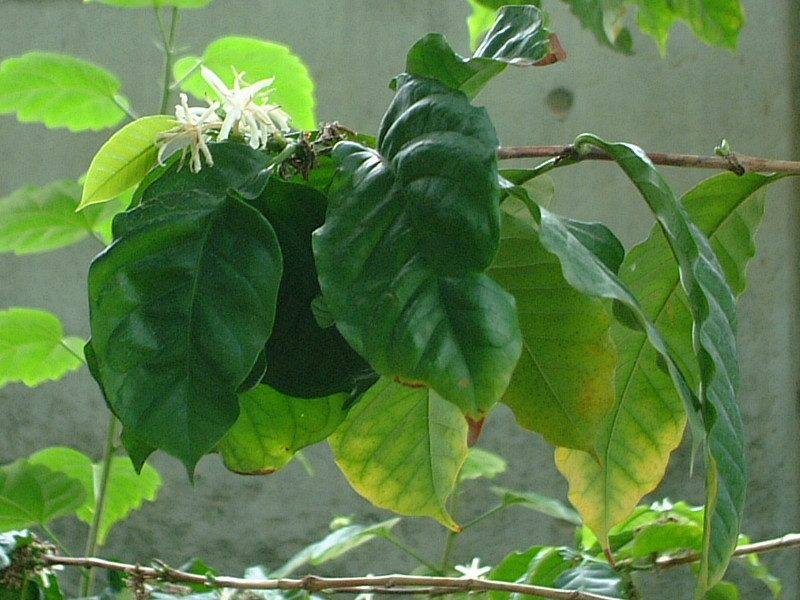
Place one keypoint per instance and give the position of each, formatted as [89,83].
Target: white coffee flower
[191,134]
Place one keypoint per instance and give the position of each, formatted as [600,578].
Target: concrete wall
[683,103]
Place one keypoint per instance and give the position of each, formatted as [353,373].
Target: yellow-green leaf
[272,427]
[124,159]
[402,448]
[563,385]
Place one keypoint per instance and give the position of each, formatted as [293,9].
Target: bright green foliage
[35,495]
[60,91]
[155,3]
[518,38]
[40,219]
[715,22]
[183,263]
[563,385]
[409,230]
[272,427]
[402,448]
[33,347]
[713,309]
[126,491]
[293,89]
[123,160]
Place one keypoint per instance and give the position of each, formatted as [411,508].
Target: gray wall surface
[683,103]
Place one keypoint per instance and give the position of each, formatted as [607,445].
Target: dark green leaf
[538,565]
[33,347]
[182,304]
[408,233]
[35,495]
[60,91]
[713,309]
[518,37]
[272,427]
[304,359]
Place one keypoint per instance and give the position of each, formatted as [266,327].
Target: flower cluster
[241,112]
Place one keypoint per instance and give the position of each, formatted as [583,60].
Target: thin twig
[312,583]
[738,163]
[787,541]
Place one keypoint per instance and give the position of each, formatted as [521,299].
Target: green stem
[450,542]
[168,39]
[412,553]
[101,499]
[480,518]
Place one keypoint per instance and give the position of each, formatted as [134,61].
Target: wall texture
[685,102]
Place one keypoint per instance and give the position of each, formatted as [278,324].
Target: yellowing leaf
[402,449]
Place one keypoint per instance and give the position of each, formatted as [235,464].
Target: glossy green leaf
[33,347]
[518,37]
[293,88]
[35,495]
[182,304]
[335,544]
[124,159]
[40,219]
[409,231]
[716,22]
[126,489]
[305,359]
[60,91]
[155,3]
[713,309]
[272,427]
[538,565]
[402,448]
[563,385]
